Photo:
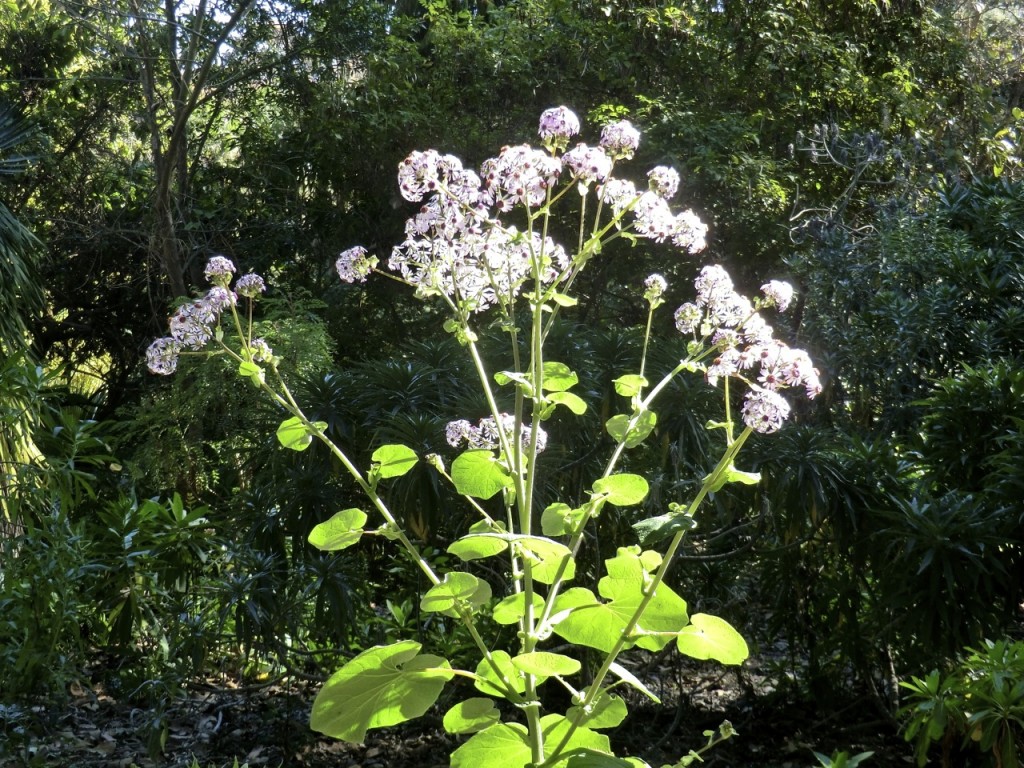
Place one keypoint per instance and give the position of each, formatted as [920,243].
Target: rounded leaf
[709,637]
[622,490]
[471,715]
[478,473]
[394,460]
[343,530]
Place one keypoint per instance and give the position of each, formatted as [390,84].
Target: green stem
[626,635]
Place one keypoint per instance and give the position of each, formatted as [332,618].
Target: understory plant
[975,712]
[482,245]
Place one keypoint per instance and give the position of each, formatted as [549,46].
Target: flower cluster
[456,246]
[654,289]
[744,342]
[486,434]
[557,126]
[355,265]
[192,324]
[620,139]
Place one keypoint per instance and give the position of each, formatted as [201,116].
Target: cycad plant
[20,295]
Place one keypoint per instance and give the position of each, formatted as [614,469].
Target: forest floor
[267,725]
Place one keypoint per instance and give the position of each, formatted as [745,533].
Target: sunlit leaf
[505,745]
[630,385]
[574,403]
[478,473]
[511,609]
[709,637]
[471,715]
[294,434]
[343,530]
[546,664]
[607,712]
[558,377]
[622,490]
[494,682]
[456,587]
[394,460]
[381,686]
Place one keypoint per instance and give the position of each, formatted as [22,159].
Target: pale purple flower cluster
[219,270]
[655,220]
[765,411]
[778,294]
[354,265]
[587,164]
[620,194]
[744,342]
[519,175]
[654,289]
[486,435]
[557,126]
[192,324]
[663,181]
[620,139]
[250,286]
[456,246]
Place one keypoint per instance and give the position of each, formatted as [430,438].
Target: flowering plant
[462,249]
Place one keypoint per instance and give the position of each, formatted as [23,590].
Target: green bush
[977,707]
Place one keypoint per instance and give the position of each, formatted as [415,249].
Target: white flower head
[587,164]
[162,356]
[765,411]
[192,324]
[778,294]
[557,126]
[688,317]
[354,265]
[219,270]
[664,181]
[250,286]
[654,289]
[620,139]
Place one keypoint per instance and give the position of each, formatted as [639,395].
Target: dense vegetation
[867,151]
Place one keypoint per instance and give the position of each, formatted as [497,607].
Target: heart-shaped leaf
[382,686]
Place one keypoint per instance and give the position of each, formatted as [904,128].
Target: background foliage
[867,150]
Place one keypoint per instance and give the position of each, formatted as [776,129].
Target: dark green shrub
[977,707]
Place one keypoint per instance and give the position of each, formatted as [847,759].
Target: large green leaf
[599,624]
[630,385]
[629,430]
[381,686]
[456,587]
[709,637]
[622,490]
[507,745]
[471,715]
[343,530]
[608,711]
[558,377]
[511,609]
[479,474]
[573,402]
[544,555]
[394,460]
[546,664]
[495,683]
[559,519]
[294,434]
